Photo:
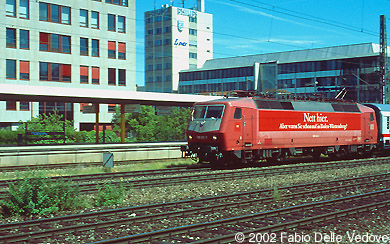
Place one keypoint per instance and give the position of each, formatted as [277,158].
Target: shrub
[8,136]
[110,194]
[37,195]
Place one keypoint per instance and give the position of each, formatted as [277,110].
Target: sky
[246,27]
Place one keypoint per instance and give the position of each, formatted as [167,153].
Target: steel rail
[212,204]
[300,214]
[115,175]
[232,175]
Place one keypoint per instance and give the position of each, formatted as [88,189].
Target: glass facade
[359,76]
[158,40]
[217,81]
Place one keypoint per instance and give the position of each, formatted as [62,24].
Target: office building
[175,39]
[77,44]
[353,70]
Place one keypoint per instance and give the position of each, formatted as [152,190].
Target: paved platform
[63,154]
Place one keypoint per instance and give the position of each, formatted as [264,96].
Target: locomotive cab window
[371,117]
[237,113]
[214,112]
[207,112]
[199,112]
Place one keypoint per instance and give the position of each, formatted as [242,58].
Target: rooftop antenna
[172,2]
[182,3]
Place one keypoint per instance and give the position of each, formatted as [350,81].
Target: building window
[24,106]
[193,32]
[149,56]
[43,41]
[84,74]
[167,41]
[10,105]
[65,41]
[65,15]
[24,39]
[44,11]
[10,8]
[121,24]
[95,75]
[149,20]
[149,44]
[24,10]
[83,18]
[193,19]
[10,69]
[11,38]
[111,108]
[158,30]
[118,2]
[111,76]
[121,50]
[111,49]
[149,67]
[83,46]
[54,13]
[111,22]
[121,77]
[54,72]
[158,67]
[95,48]
[193,55]
[167,29]
[24,70]
[65,72]
[43,71]
[167,65]
[95,20]
[193,43]
[149,32]
[54,43]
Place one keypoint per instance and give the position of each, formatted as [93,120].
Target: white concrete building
[76,44]
[175,39]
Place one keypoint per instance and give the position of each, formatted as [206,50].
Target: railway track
[86,184]
[116,175]
[92,187]
[140,215]
[226,230]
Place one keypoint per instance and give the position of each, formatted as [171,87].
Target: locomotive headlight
[190,137]
[215,138]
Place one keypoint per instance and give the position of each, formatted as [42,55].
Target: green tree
[147,126]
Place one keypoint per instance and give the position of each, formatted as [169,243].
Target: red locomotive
[249,129]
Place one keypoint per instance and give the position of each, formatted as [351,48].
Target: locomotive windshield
[208,112]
